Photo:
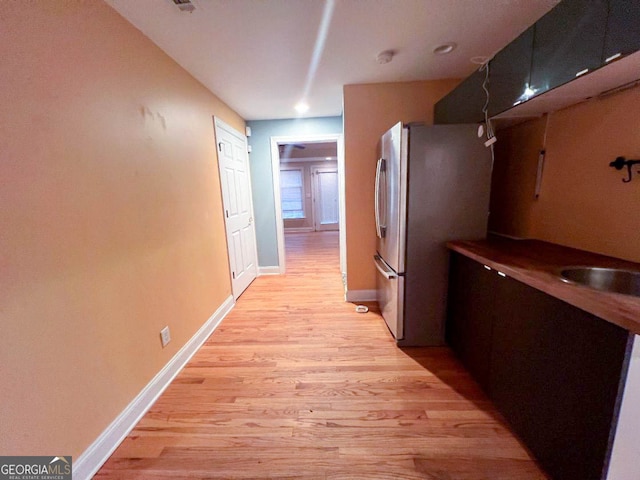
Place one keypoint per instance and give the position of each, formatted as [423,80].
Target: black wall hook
[621,162]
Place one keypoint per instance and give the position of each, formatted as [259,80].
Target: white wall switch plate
[165,336]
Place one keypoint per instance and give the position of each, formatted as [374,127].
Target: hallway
[296,384]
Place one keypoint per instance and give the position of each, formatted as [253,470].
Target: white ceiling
[256,55]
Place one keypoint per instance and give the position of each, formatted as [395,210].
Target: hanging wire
[485,108]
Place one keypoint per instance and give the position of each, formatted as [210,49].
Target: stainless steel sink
[607,279]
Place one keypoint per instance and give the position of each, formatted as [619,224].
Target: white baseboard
[360,296]
[298,229]
[101,449]
[269,270]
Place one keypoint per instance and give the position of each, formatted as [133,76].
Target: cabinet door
[509,73]
[623,28]
[469,315]
[555,373]
[568,40]
[464,104]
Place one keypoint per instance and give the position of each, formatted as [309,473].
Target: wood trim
[99,451]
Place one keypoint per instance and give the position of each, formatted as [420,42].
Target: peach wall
[111,219]
[369,111]
[583,202]
[513,182]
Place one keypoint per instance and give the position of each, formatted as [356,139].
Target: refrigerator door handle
[377,198]
[383,268]
[380,169]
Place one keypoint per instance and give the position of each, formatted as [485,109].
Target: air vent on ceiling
[185,5]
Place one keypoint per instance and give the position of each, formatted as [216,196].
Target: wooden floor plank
[296,385]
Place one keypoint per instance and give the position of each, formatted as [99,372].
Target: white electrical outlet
[165,336]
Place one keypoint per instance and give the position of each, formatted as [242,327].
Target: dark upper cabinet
[509,73]
[575,36]
[465,103]
[568,40]
[623,28]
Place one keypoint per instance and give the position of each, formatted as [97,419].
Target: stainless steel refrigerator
[432,186]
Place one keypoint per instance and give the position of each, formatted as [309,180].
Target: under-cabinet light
[613,57]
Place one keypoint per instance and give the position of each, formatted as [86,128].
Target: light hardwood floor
[295,384]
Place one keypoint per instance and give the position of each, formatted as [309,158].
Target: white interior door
[233,162]
[326,205]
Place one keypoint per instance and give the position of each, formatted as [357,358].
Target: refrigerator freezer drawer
[390,294]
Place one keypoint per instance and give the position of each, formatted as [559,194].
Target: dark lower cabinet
[555,375]
[470,311]
[552,370]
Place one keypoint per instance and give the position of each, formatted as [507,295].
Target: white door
[325,180]
[233,162]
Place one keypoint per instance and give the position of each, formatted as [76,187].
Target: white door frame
[275,170]
[218,123]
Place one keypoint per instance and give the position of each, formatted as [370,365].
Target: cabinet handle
[387,273]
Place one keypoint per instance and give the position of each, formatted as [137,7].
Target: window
[292,193]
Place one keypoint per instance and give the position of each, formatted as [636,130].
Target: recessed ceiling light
[301,107]
[445,48]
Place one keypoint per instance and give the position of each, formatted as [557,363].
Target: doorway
[325,197]
[308,181]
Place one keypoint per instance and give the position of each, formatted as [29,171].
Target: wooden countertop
[537,264]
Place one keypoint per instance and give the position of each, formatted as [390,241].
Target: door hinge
[234,275]
[220,146]
[226,212]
